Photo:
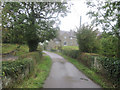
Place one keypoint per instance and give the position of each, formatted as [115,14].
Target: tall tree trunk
[118,52]
[118,23]
[33,42]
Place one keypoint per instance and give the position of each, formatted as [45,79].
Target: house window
[65,43]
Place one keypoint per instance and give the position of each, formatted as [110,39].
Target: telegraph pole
[80,20]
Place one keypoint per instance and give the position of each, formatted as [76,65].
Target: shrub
[15,71]
[53,50]
[14,68]
[86,59]
[108,45]
[87,39]
[71,53]
[112,67]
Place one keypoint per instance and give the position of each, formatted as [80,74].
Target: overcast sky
[72,20]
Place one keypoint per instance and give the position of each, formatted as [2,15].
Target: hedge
[71,53]
[14,68]
[15,71]
[110,66]
[86,59]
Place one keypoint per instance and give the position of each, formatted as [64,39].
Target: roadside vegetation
[14,71]
[6,48]
[29,71]
[40,73]
[18,49]
[70,47]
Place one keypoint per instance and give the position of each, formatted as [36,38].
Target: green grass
[88,72]
[8,47]
[36,80]
[22,50]
[70,47]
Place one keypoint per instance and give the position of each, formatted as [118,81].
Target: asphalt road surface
[65,75]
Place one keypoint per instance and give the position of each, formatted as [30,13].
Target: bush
[108,45]
[87,39]
[53,50]
[71,53]
[15,71]
[14,68]
[86,59]
[112,67]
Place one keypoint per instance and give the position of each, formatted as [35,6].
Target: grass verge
[88,72]
[22,50]
[6,48]
[37,78]
[70,47]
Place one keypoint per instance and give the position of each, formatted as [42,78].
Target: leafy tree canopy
[32,22]
[106,13]
[87,39]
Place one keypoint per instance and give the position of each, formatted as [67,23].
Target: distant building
[64,38]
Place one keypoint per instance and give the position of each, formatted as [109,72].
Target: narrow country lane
[65,75]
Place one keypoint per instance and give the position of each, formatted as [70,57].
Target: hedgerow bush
[21,68]
[71,53]
[112,67]
[53,50]
[87,39]
[86,59]
[14,68]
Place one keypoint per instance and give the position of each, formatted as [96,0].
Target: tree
[35,21]
[108,45]
[107,13]
[87,39]
[11,29]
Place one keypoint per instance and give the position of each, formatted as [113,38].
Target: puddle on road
[84,79]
